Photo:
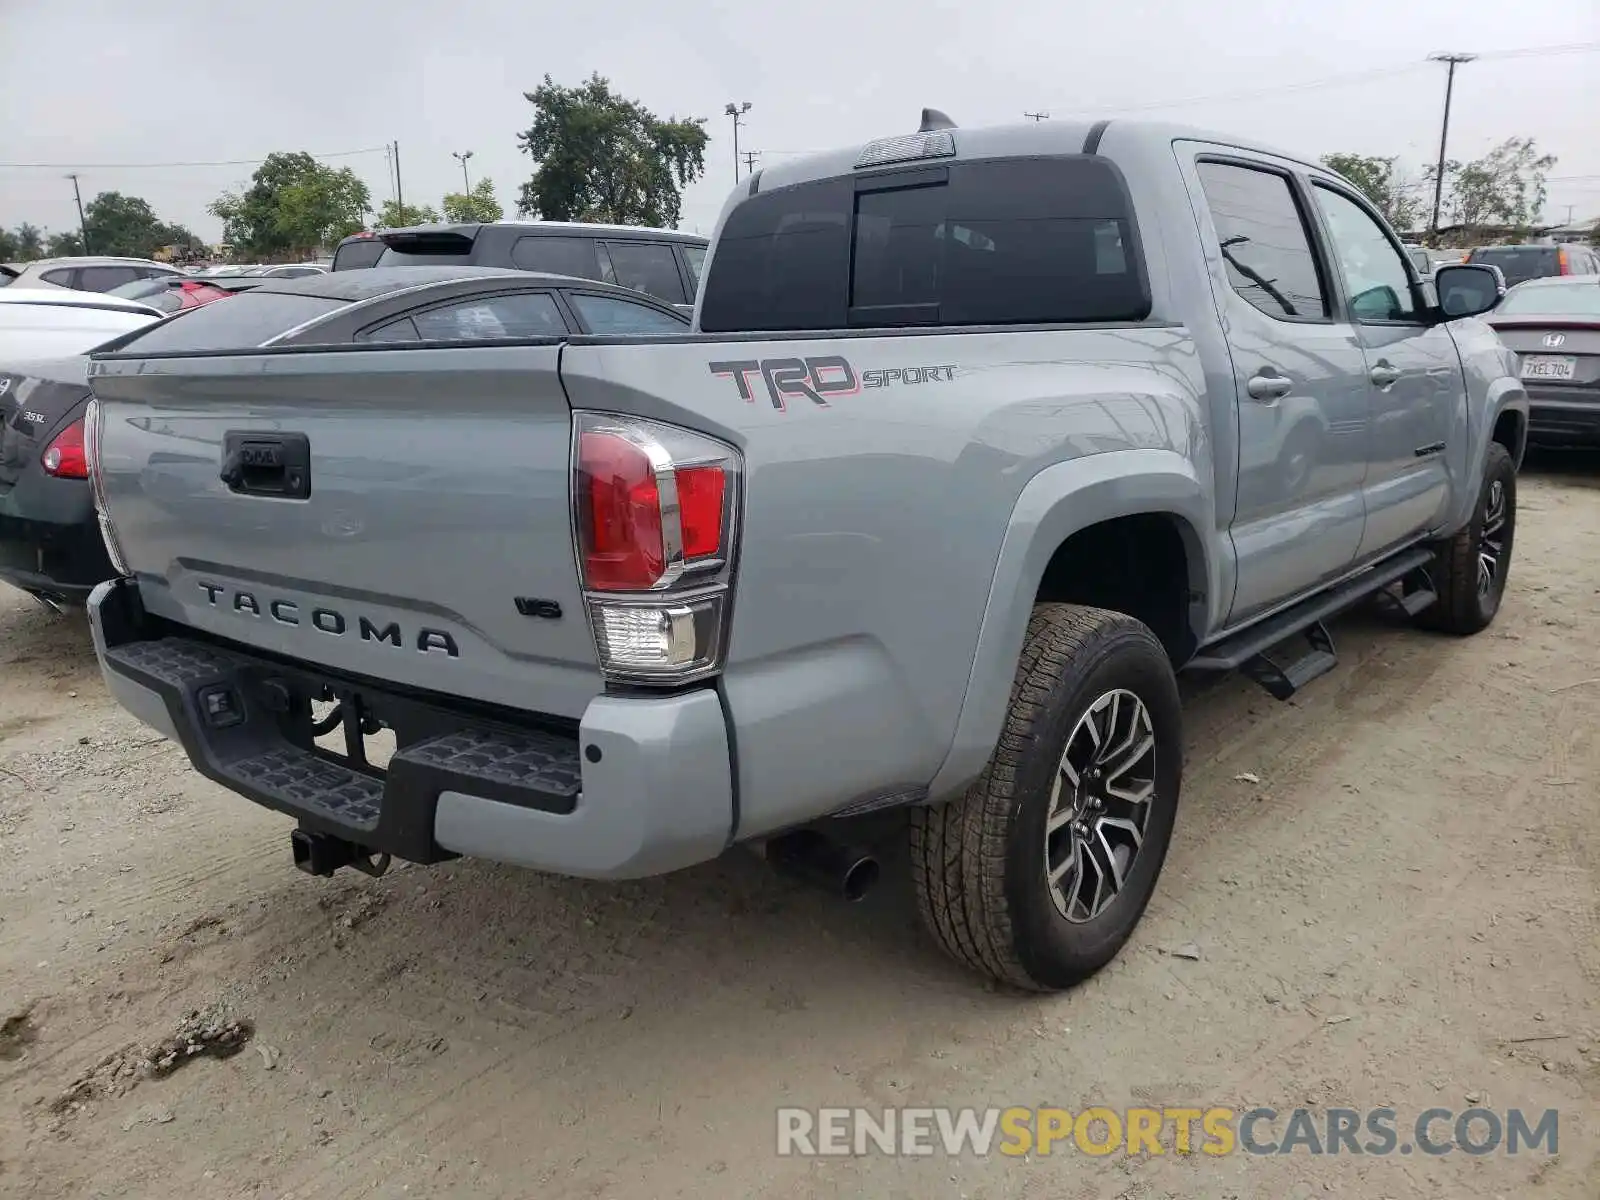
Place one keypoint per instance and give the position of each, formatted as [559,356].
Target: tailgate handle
[267,464]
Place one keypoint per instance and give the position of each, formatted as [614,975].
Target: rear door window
[62,277]
[694,257]
[614,315]
[103,279]
[573,256]
[649,267]
[994,242]
[1265,244]
[523,315]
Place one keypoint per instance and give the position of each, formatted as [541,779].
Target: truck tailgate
[436,512]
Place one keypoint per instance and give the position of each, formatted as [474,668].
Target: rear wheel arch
[1148,489]
[1149,565]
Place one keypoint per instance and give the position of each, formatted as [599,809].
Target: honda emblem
[1552,340]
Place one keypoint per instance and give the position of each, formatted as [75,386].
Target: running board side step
[1247,649]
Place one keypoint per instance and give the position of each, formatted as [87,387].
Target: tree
[1381,182]
[601,157]
[127,225]
[394,215]
[9,249]
[62,245]
[294,205]
[477,205]
[1504,187]
[121,224]
[30,242]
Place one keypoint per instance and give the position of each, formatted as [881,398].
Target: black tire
[979,862]
[1464,606]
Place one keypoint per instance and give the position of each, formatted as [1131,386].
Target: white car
[84,273]
[49,322]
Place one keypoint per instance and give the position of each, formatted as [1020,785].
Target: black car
[50,543]
[663,263]
[1522,263]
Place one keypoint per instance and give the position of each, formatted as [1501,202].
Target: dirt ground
[1402,911]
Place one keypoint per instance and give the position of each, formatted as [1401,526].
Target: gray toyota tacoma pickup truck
[978,438]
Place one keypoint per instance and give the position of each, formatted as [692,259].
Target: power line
[225,162]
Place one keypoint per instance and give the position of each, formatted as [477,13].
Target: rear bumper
[642,786]
[1565,415]
[50,540]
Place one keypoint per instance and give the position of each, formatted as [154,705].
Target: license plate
[1549,366]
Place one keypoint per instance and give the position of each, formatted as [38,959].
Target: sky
[108,88]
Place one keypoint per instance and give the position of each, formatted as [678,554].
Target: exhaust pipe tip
[859,878]
[810,856]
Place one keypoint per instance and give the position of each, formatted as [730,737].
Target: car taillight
[1563,267]
[65,457]
[654,510]
[92,426]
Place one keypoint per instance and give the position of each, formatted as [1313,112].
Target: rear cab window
[244,322]
[982,242]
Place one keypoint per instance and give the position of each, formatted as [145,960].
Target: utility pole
[750,157]
[399,192]
[1444,130]
[388,165]
[466,184]
[736,111]
[83,226]
[1037,117]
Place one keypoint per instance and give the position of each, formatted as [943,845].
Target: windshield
[1572,300]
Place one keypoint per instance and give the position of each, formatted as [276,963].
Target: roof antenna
[933,119]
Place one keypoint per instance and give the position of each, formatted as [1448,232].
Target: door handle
[1384,374]
[1267,384]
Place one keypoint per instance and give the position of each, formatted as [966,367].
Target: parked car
[1521,263]
[50,542]
[659,262]
[1553,325]
[924,515]
[173,294]
[90,273]
[45,322]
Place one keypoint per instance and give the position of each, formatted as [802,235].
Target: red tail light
[655,509]
[65,458]
[1563,267]
[632,536]
[620,514]
[700,495]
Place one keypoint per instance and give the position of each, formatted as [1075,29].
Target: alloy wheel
[1099,805]
[1492,539]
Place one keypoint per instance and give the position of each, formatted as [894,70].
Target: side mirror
[1466,289]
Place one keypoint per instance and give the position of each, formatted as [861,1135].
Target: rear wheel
[1039,873]
[1470,576]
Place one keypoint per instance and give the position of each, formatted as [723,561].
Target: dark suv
[1521,263]
[661,262]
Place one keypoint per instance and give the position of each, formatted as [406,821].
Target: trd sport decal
[817,379]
